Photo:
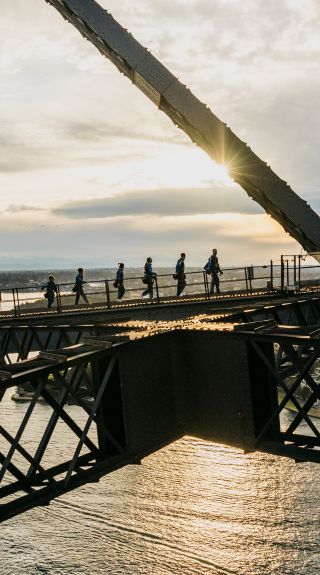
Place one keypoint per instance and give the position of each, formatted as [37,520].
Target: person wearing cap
[180,275]
[148,278]
[51,289]
[213,268]
[79,281]
[119,281]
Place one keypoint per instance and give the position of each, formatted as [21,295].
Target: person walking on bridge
[119,281]
[148,278]
[212,266]
[51,289]
[78,287]
[180,275]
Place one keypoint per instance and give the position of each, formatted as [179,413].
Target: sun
[178,166]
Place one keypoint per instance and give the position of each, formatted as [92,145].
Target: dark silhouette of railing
[288,275]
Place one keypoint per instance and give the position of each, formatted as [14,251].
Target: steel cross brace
[303,372]
[24,339]
[42,484]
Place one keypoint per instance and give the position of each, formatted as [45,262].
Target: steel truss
[302,312]
[296,353]
[23,340]
[119,417]
[29,482]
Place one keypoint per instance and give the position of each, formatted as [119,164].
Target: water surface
[194,508]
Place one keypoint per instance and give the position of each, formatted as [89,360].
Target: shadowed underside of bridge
[138,386]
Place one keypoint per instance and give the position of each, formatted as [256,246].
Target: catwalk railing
[288,275]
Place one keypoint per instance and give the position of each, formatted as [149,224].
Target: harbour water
[193,508]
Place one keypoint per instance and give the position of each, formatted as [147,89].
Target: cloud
[257,239]
[163,202]
[16,208]
[28,146]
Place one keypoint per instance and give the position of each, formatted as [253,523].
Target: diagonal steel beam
[195,118]
[68,420]
[90,418]
[303,371]
[22,426]
[54,419]
[289,395]
[15,472]
[23,452]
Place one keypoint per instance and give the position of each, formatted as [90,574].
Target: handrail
[245,279]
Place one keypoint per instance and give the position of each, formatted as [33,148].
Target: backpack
[207,267]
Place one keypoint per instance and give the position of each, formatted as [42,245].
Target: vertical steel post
[282,273]
[59,306]
[18,301]
[250,271]
[287,269]
[14,301]
[246,278]
[271,273]
[205,283]
[106,283]
[157,289]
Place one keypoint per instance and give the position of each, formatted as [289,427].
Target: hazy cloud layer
[17,208]
[133,239]
[163,202]
[28,146]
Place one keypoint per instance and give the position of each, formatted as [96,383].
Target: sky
[91,173]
